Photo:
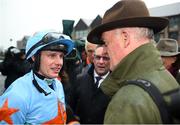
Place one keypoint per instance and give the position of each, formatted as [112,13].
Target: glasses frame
[98,57]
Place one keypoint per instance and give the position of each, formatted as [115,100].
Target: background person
[38,97]
[91,101]
[89,49]
[127,29]
[176,66]
[170,55]
[14,65]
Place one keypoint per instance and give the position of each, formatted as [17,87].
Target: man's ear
[126,39]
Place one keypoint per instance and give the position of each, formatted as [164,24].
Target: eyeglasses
[105,58]
[48,38]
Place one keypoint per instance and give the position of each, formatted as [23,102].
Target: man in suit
[92,102]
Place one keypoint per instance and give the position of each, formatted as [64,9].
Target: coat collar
[135,65]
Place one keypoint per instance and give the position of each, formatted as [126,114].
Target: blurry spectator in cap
[168,49]
[38,96]
[14,65]
[127,29]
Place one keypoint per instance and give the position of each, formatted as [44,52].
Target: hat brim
[155,23]
[169,54]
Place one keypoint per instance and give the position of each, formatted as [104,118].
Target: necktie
[98,78]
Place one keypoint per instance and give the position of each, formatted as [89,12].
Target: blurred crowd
[92,72]
[14,65]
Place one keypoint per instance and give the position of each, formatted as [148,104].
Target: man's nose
[101,60]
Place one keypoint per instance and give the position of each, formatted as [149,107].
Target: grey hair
[140,32]
[100,45]
[145,32]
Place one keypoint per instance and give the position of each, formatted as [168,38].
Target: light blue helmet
[42,40]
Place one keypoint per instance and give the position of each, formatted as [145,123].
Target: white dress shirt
[103,77]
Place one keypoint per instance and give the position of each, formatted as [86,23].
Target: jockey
[38,96]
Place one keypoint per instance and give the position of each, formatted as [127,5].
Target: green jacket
[131,104]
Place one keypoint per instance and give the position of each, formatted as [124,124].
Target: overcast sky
[24,17]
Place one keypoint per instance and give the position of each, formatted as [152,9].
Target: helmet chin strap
[35,83]
[36,62]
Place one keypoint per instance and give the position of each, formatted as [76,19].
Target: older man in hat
[168,49]
[127,30]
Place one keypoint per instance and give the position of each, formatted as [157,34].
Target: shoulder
[20,86]
[24,81]
[58,83]
[18,94]
[130,93]
[132,105]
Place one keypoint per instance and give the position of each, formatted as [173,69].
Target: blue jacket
[29,105]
